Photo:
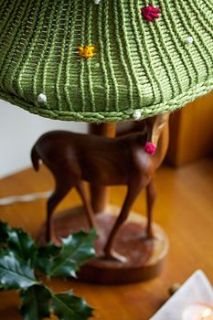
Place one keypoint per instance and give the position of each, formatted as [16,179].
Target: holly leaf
[14,273]
[46,254]
[66,306]
[36,303]
[75,250]
[19,242]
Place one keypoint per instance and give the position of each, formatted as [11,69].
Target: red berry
[150,148]
[150,13]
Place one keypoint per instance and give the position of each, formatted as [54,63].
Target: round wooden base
[144,257]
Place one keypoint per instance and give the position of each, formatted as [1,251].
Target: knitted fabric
[151,66]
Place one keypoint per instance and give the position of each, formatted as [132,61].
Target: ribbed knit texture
[138,65]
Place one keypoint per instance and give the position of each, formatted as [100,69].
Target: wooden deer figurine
[128,160]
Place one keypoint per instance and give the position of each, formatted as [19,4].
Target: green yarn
[152,67]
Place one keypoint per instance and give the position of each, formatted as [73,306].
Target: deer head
[154,126]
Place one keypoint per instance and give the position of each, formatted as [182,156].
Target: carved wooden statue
[129,160]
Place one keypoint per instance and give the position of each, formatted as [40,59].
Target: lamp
[103,62]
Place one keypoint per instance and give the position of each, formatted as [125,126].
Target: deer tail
[35,158]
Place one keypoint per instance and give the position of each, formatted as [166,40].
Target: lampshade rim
[113,116]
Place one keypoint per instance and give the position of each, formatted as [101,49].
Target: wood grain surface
[184,209]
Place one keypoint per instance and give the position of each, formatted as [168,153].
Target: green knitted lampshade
[105,60]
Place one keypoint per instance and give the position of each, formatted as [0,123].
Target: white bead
[97,1]
[42,98]
[189,40]
[137,115]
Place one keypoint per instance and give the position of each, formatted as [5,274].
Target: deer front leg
[131,195]
[150,200]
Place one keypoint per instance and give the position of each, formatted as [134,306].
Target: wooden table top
[184,209]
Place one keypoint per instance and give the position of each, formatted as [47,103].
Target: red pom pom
[150,148]
[150,13]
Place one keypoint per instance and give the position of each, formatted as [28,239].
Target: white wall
[18,131]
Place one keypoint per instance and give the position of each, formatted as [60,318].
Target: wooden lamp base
[144,257]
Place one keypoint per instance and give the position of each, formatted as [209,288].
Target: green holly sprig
[20,258]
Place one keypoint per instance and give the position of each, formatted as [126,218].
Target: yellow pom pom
[86,51]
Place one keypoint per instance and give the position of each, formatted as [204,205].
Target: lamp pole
[99,194]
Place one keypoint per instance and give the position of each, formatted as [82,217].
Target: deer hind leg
[61,189]
[132,192]
[88,209]
[150,200]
